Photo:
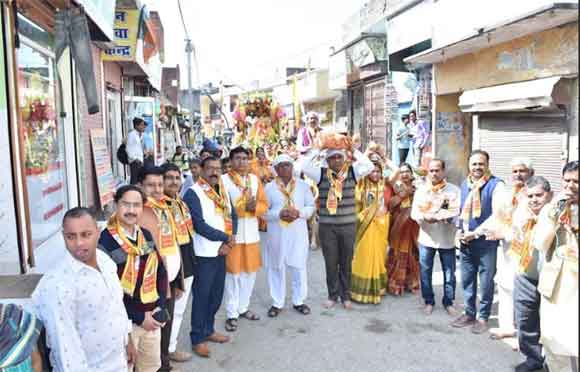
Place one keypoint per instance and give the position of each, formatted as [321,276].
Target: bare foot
[347,305]
[498,333]
[329,304]
[428,309]
[452,311]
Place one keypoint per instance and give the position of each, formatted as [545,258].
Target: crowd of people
[202,228]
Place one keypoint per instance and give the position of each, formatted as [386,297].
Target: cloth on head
[282,158]
[332,152]
[19,331]
[210,145]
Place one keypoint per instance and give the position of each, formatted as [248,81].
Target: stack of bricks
[391,109]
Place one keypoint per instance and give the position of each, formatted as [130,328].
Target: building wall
[452,136]
[112,72]
[573,120]
[88,186]
[548,53]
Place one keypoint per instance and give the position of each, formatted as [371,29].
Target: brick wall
[88,184]
[112,73]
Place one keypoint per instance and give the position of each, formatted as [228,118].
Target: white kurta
[288,245]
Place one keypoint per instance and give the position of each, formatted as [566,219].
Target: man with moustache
[243,262]
[80,303]
[158,219]
[215,223]
[480,194]
[184,235]
[556,236]
[142,273]
[526,261]
[497,226]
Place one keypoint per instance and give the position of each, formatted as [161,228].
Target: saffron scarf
[183,222]
[287,191]
[221,202]
[472,206]
[520,246]
[167,228]
[148,293]
[427,204]
[244,186]
[335,192]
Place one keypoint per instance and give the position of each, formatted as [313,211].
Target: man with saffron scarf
[157,217]
[526,262]
[480,196]
[497,227]
[215,223]
[172,180]
[556,236]
[80,303]
[435,205]
[243,262]
[336,178]
[291,204]
[142,273]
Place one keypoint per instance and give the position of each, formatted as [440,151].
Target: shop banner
[126,29]
[102,160]
[102,12]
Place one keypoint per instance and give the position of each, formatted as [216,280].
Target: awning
[527,95]
[545,18]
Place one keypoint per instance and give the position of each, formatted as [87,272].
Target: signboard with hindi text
[126,29]
[102,161]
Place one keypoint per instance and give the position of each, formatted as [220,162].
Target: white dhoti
[238,290]
[178,312]
[505,277]
[277,284]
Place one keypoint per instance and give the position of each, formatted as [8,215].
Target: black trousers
[337,243]
[134,169]
[403,155]
[527,313]
[166,333]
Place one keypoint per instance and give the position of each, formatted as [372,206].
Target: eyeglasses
[129,205]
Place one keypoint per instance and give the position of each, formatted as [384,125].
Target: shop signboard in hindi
[126,28]
[105,180]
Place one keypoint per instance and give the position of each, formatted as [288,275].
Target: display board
[102,161]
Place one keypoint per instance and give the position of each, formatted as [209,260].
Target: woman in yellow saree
[369,275]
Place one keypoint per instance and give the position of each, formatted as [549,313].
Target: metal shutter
[541,138]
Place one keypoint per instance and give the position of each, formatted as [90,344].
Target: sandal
[302,309]
[250,315]
[231,325]
[274,312]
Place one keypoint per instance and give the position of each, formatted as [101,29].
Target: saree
[369,275]
[403,255]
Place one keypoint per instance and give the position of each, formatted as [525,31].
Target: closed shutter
[376,128]
[540,138]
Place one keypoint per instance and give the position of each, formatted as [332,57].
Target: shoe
[201,350]
[463,321]
[479,327]
[523,367]
[218,338]
[451,311]
[428,309]
[180,356]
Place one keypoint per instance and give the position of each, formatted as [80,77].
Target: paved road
[394,336]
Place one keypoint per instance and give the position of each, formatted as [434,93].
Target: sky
[238,41]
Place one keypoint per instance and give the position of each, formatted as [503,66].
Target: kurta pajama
[244,260]
[287,244]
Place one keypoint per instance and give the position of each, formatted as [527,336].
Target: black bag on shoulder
[122,154]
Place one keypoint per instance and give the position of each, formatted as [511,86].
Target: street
[393,336]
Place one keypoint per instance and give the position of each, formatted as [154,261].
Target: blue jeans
[478,258]
[447,259]
[208,290]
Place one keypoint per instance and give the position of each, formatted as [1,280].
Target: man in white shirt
[435,205]
[307,134]
[291,204]
[135,149]
[81,304]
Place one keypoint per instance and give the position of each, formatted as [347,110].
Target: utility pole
[188,51]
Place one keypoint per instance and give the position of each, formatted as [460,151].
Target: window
[43,132]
